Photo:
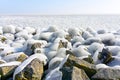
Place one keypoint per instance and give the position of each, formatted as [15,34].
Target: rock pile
[52,54]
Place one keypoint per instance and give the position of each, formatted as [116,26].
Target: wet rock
[33,71]
[105,56]
[107,74]
[73,73]
[90,69]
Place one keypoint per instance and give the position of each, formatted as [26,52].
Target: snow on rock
[73,32]
[56,73]
[86,35]
[9,29]
[20,40]
[77,39]
[61,52]
[46,36]
[114,49]
[18,29]
[115,62]
[107,39]
[91,31]
[94,47]
[98,66]
[10,63]
[52,29]
[12,57]
[54,62]
[30,30]
[50,54]
[9,36]
[80,51]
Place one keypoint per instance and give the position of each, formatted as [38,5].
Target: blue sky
[58,7]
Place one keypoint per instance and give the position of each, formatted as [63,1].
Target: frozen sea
[108,22]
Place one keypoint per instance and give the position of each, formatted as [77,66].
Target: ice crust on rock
[41,57]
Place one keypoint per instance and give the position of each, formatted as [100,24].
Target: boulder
[33,71]
[73,73]
[7,69]
[90,69]
[105,56]
[107,74]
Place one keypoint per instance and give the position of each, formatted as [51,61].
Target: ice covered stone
[9,29]
[90,69]
[9,36]
[7,69]
[33,71]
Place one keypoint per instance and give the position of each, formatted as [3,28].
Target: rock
[105,56]
[36,45]
[89,59]
[33,71]
[107,74]
[2,38]
[68,37]
[62,44]
[73,73]
[7,69]
[90,69]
